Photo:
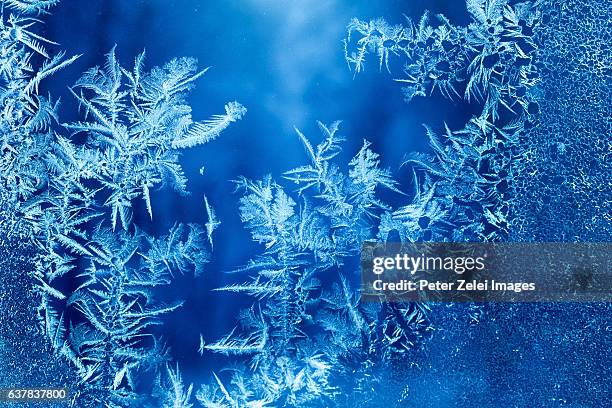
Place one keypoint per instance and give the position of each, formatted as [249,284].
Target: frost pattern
[118,304]
[533,81]
[135,128]
[26,115]
[30,6]
[307,339]
[463,187]
[134,123]
[305,334]
[74,197]
[563,188]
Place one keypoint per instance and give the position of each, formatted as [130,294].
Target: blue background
[284,61]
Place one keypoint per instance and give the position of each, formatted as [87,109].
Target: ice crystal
[527,75]
[463,189]
[562,182]
[303,329]
[69,196]
[26,114]
[137,121]
[30,6]
[67,203]
[130,128]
